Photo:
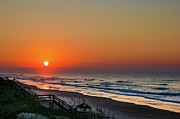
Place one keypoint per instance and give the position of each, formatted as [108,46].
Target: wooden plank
[43,98]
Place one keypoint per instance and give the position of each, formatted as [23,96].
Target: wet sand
[120,110]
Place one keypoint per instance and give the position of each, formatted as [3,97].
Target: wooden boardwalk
[52,99]
[53,102]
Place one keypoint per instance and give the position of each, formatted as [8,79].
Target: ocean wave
[170,80]
[160,88]
[123,82]
[120,90]
[155,97]
[89,79]
[163,84]
[104,86]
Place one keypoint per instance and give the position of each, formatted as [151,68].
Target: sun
[46,63]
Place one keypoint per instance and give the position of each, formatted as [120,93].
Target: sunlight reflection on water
[143,89]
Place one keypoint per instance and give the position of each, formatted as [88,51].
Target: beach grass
[13,101]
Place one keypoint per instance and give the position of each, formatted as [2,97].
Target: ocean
[158,90]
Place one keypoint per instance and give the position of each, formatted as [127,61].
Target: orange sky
[89,33]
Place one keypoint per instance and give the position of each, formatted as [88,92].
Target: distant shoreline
[118,109]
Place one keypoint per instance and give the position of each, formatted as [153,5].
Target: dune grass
[13,101]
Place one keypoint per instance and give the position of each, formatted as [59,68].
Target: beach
[117,109]
[157,90]
[90,59]
[122,96]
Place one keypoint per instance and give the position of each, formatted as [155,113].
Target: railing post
[53,102]
[50,101]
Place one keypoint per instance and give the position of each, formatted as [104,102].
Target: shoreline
[159,104]
[115,108]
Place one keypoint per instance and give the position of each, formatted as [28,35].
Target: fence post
[53,102]
[50,101]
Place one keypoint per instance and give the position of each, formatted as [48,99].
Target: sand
[120,110]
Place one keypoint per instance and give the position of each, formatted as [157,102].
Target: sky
[90,34]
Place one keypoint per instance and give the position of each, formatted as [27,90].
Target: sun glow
[46,63]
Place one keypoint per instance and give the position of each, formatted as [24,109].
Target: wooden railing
[24,87]
[54,99]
